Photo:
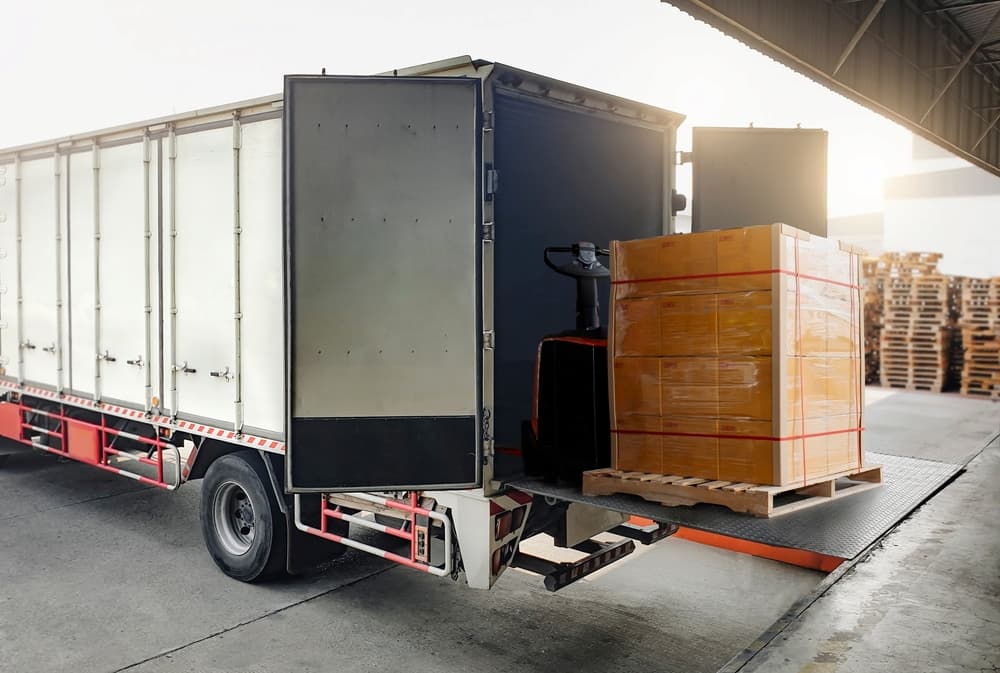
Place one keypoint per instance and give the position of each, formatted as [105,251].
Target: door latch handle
[49,349]
[222,374]
[137,362]
[184,369]
[27,344]
[107,357]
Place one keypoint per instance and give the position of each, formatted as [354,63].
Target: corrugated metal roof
[973,18]
[930,65]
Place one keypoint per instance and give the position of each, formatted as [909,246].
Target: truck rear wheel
[243,526]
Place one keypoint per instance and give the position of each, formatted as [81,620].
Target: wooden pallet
[915,387]
[971,389]
[674,490]
[916,326]
[983,359]
[903,339]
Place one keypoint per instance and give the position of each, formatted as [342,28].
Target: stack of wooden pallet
[917,323]
[873,276]
[980,323]
[910,263]
[956,354]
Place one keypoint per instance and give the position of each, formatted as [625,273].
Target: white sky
[72,66]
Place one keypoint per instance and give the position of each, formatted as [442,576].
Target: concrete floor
[927,600]
[948,428]
[99,574]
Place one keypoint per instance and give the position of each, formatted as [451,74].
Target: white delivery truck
[328,306]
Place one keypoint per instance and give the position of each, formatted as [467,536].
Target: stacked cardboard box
[737,355]
[980,323]
[916,338]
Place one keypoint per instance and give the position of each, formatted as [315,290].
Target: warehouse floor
[101,574]
[927,600]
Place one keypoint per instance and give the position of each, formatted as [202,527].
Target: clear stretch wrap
[737,355]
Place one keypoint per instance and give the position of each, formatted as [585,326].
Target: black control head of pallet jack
[584,263]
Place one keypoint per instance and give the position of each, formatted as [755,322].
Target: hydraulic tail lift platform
[841,529]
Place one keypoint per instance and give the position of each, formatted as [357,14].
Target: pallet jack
[569,431]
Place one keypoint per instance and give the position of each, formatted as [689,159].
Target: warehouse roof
[930,65]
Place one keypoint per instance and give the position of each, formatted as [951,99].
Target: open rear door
[382,209]
[747,176]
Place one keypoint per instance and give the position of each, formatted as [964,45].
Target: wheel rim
[234,518]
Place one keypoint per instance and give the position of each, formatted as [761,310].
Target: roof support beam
[986,132]
[993,70]
[862,29]
[961,65]
[955,65]
[961,5]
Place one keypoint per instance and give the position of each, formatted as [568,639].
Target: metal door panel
[82,349]
[8,272]
[748,176]
[123,337]
[263,333]
[38,271]
[203,271]
[382,236]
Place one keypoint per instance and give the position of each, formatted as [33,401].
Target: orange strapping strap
[748,437]
[860,353]
[802,367]
[697,276]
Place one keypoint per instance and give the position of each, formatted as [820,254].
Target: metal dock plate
[842,528]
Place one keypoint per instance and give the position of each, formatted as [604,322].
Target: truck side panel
[204,275]
[263,333]
[38,246]
[8,271]
[122,274]
[104,240]
[80,298]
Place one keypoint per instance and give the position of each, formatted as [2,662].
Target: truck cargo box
[352,269]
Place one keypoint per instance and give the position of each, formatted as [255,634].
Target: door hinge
[487,433]
[488,120]
[488,231]
[488,340]
[492,182]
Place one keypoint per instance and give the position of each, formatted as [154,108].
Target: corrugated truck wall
[127,266]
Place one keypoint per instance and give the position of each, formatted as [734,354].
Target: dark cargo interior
[564,176]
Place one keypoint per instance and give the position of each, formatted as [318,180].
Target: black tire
[243,526]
